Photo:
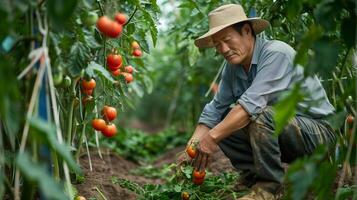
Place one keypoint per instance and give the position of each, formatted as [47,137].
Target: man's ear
[246,29]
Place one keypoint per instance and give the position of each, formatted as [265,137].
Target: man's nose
[224,48]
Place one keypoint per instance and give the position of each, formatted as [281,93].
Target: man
[240,118]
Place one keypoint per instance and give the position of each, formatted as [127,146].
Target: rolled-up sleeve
[213,111]
[274,74]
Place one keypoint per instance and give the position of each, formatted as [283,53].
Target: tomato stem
[80,141]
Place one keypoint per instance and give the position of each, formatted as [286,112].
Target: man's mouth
[229,56]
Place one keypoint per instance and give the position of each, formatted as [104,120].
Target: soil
[113,165]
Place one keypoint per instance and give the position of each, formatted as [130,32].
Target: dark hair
[238,27]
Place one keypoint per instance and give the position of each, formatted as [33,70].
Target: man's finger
[197,160]
[203,163]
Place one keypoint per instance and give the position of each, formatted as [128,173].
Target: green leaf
[95,67]
[313,34]
[293,9]
[155,6]
[325,56]
[37,173]
[138,90]
[48,130]
[286,109]
[348,31]
[60,11]
[325,14]
[346,192]
[193,53]
[152,25]
[78,58]
[148,83]
[177,188]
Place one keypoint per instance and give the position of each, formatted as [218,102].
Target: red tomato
[109,113]
[98,124]
[88,85]
[128,77]
[135,45]
[185,195]
[137,53]
[198,174]
[116,72]
[110,130]
[115,30]
[114,61]
[191,151]
[104,24]
[129,69]
[350,119]
[120,18]
[198,181]
[88,92]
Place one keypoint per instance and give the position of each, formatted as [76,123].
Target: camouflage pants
[255,148]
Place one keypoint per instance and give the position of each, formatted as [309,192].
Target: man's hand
[205,149]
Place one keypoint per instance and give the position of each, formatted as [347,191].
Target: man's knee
[263,125]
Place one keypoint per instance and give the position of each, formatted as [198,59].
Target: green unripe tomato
[67,82]
[57,79]
[89,18]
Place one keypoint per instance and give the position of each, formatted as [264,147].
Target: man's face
[236,48]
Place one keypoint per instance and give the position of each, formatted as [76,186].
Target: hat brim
[205,40]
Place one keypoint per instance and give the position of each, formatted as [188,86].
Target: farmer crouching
[239,119]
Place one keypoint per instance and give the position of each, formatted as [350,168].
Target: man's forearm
[236,119]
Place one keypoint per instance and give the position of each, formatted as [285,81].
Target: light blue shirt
[271,73]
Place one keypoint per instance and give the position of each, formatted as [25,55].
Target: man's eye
[227,40]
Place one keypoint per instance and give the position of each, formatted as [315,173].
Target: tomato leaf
[286,109]
[49,132]
[38,173]
[95,67]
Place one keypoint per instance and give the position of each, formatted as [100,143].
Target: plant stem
[81,141]
[131,16]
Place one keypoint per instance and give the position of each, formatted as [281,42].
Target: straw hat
[225,16]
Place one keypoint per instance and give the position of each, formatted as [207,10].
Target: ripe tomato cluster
[108,129]
[115,62]
[112,28]
[87,88]
[136,51]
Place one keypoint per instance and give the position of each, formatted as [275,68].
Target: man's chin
[233,61]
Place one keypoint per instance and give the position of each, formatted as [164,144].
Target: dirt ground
[113,165]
